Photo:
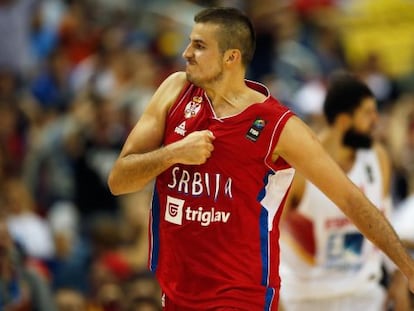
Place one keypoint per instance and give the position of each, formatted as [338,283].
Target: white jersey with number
[323,255]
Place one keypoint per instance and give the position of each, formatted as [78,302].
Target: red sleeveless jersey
[214,227]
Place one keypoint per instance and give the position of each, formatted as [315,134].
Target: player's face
[204,59]
[364,120]
[365,116]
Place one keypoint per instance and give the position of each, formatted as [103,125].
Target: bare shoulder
[295,133]
[382,153]
[385,165]
[170,88]
[256,96]
[148,132]
[175,80]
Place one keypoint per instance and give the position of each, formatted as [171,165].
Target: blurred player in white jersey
[326,263]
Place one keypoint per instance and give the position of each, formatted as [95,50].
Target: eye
[199,46]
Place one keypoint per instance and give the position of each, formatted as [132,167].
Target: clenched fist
[193,149]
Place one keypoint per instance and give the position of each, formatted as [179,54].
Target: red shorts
[168,305]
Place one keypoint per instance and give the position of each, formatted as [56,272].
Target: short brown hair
[236,30]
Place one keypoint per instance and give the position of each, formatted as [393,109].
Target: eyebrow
[197,41]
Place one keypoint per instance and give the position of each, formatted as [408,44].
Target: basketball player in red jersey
[223,152]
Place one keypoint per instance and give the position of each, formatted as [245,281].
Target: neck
[226,94]
[227,88]
[229,95]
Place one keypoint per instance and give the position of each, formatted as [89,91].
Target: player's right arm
[143,157]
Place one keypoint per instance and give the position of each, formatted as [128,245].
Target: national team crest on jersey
[193,107]
[254,132]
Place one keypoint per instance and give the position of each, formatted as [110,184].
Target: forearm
[398,292]
[133,171]
[373,225]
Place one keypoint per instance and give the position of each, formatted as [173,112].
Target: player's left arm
[300,147]
[397,291]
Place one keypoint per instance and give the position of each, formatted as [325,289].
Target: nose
[187,52]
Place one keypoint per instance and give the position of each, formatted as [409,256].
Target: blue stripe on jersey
[155,238]
[262,192]
[264,243]
[264,233]
[270,293]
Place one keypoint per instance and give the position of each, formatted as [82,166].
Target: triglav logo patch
[192,108]
[174,210]
[254,132]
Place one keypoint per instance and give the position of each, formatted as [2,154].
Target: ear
[343,120]
[232,56]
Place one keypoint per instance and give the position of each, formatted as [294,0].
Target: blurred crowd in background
[75,75]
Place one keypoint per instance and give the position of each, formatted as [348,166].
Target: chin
[188,73]
[191,79]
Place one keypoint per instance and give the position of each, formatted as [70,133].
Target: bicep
[300,147]
[148,133]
